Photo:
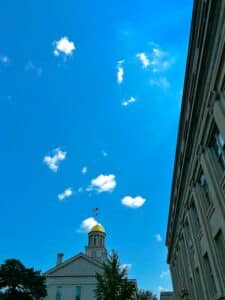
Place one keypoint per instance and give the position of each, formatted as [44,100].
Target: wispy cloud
[156,60]
[144,59]
[162,289]
[103,183]
[104,153]
[160,60]
[84,170]
[133,202]
[164,274]
[126,266]
[86,225]
[128,101]
[158,237]
[80,190]
[66,194]
[161,82]
[120,71]
[4,59]
[31,67]
[64,46]
[53,161]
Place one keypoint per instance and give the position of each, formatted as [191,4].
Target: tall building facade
[196,225]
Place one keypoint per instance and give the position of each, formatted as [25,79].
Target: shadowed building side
[196,225]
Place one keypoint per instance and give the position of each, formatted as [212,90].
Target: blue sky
[92,86]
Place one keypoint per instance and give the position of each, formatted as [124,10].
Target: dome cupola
[97,228]
[96,243]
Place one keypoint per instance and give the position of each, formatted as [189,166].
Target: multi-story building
[75,278]
[167,296]
[196,225]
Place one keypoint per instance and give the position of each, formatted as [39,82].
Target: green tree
[20,283]
[146,295]
[113,283]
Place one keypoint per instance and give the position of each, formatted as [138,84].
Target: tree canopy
[146,295]
[113,283]
[19,282]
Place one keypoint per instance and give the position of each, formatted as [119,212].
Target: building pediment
[79,265]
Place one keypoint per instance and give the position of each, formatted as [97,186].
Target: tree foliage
[18,282]
[113,283]
[146,295]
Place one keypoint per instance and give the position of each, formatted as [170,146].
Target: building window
[191,289]
[199,284]
[188,235]
[78,293]
[218,144]
[58,293]
[210,277]
[205,188]
[195,217]
[220,246]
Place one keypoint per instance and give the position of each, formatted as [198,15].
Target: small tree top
[113,283]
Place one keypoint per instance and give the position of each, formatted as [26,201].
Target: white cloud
[104,153]
[162,289]
[4,59]
[158,237]
[160,60]
[67,193]
[53,161]
[133,202]
[103,183]
[164,274]
[127,266]
[128,101]
[144,59]
[120,62]
[161,82]
[87,224]
[158,53]
[30,66]
[64,46]
[120,71]
[84,170]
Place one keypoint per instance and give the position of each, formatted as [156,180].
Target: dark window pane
[78,293]
[219,147]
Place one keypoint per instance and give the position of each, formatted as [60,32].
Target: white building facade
[74,279]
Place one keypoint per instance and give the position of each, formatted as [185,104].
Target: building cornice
[181,123]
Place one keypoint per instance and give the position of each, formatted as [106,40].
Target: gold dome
[97,228]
